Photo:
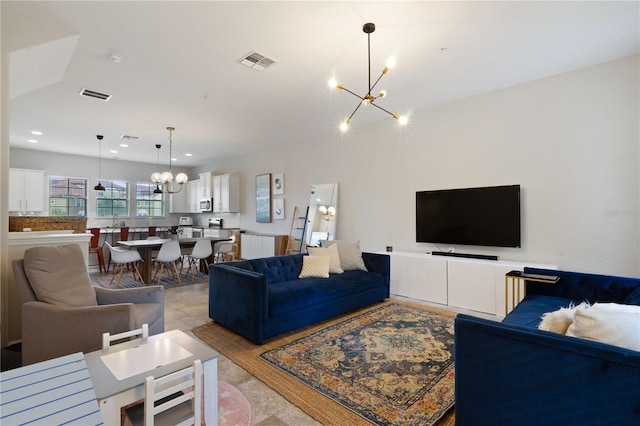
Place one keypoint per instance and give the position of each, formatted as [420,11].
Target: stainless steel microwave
[206,204]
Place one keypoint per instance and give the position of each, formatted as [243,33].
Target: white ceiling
[180,66]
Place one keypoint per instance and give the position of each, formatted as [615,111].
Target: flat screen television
[487,216]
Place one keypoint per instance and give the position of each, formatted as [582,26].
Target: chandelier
[369,99]
[166,178]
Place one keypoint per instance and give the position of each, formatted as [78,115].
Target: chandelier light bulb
[344,126]
[333,83]
[181,178]
[167,177]
[156,177]
[403,119]
[382,94]
[331,210]
[391,62]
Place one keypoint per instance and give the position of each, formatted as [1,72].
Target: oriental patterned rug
[391,364]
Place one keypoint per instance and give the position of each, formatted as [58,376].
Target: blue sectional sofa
[262,298]
[511,373]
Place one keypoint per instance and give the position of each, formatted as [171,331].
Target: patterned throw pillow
[332,252]
[315,267]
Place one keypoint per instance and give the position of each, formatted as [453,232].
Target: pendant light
[156,176]
[369,99]
[166,178]
[99,186]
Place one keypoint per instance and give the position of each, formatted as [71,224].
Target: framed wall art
[263,198]
[278,208]
[278,184]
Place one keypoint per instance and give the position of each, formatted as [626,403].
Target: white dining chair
[168,255]
[107,338]
[174,399]
[201,251]
[121,258]
[225,249]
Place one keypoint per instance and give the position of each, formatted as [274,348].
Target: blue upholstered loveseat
[262,298]
[511,373]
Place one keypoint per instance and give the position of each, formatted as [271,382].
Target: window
[148,203]
[67,196]
[114,200]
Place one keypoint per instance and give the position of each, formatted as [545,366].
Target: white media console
[474,284]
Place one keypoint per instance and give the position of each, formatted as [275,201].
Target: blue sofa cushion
[633,298]
[289,296]
[277,269]
[584,287]
[529,311]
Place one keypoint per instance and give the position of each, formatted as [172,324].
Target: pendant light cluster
[369,99]
[166,178]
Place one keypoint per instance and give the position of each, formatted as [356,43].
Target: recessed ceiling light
[36,132]
[174,159]
[113,151]
[124,145]
[188,154]
[32,140]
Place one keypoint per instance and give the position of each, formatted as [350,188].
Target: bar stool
[94,247]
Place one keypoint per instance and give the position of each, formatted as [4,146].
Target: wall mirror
[323,212]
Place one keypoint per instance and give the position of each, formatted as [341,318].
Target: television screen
[488,216]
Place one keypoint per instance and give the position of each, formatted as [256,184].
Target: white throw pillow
[349,252]
[332,252]
[608,323]
[560,320]
[315,267]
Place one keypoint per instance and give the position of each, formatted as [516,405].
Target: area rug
[168,281]
[388,364]
[233,407]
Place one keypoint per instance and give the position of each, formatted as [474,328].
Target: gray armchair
[63,313]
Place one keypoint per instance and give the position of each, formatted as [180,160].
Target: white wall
[571,141]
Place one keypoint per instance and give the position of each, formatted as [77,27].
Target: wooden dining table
[146,248]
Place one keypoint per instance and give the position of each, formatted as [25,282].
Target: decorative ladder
[298,227]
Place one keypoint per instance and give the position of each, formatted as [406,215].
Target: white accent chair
[174,399]
[168,255]
[201,251]
[123,258]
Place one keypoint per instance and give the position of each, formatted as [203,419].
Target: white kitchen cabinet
[474,284]
[205,185]
[26,190]
[187,200]
[194,188]
[255,246]
[226,193]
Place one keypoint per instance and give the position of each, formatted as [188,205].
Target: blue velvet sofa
[511,373]
[262,298]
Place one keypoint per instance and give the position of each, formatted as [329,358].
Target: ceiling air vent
[256,61]
[129,138]
[93,94]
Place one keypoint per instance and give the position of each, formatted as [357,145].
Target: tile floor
[187,307]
